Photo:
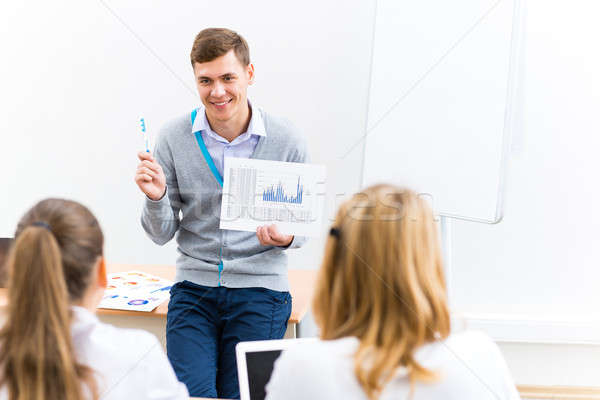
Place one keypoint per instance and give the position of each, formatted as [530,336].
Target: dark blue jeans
[204,324]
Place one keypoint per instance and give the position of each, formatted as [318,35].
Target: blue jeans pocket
[174,288]
[277,296]
[282,310]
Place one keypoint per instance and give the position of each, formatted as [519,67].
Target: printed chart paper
[135,291]
[261,192]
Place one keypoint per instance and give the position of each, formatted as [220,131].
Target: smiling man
[231,286]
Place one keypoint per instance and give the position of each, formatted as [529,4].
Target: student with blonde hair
[52,346]
[381,306]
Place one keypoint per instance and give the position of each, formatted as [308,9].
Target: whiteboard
[440,102]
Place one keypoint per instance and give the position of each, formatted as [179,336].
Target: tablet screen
[259,365]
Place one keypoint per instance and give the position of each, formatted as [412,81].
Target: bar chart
[278,195]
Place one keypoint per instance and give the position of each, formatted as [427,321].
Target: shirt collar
[83,322]
[255,127]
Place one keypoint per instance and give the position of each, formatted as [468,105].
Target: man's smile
[221,104]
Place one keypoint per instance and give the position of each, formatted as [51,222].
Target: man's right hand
[150,177]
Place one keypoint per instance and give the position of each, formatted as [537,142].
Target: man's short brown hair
[212,43]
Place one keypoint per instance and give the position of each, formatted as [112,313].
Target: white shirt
[470,365]
[129,363]
[241,147]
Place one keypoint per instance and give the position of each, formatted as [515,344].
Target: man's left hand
[269,235]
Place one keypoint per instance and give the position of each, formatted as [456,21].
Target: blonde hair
[382,281]
[57,244]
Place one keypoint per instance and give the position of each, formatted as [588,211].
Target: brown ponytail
[57,244]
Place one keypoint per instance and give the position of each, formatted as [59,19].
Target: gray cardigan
[193,190]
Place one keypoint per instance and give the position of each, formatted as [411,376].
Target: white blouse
[129,363]
[469,363]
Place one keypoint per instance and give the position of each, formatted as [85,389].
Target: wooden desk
[539,392]
[302,284]
[558,393]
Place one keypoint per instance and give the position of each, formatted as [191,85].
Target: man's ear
[102,279]
[250,71]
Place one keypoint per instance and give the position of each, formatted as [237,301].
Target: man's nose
[218,90]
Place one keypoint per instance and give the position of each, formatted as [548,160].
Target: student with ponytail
[381,307]
[52,346]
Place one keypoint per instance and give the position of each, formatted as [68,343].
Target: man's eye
[204,81]
[228,78]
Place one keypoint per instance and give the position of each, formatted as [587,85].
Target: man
[231,286]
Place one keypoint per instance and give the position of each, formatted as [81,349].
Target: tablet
[255,362]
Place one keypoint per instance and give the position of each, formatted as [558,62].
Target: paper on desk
[135,291]
[262,192]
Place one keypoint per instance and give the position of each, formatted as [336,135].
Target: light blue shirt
[242,146]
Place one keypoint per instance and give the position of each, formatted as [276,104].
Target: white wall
[75,77]
[78,75]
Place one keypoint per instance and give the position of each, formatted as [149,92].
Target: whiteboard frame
[509,112]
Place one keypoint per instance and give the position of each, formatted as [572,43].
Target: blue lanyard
[214,170]
[205,153]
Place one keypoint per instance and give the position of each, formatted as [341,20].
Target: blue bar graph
[278,195]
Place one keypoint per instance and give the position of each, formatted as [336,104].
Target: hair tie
[42,224]
[335,232]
